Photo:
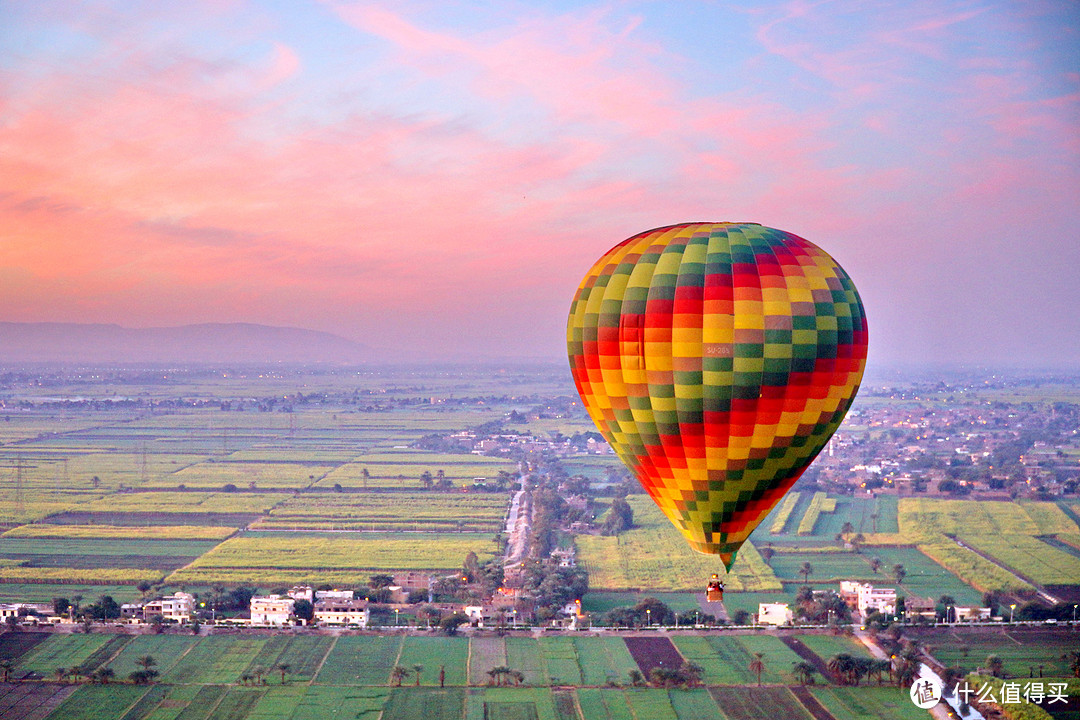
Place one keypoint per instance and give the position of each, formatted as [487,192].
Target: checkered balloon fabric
[717,359]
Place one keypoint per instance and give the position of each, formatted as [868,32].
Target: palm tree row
[501,674]
[849,670]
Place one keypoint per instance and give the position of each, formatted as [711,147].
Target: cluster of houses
[331,607]
[865,599]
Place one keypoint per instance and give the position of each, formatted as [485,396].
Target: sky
[433,179]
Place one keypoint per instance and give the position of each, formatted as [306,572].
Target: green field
[1019,649]
[201,676]
[826,646]
[360,660]
[868,703]
[727,659]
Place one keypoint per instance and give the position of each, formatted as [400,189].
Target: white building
[271,610]
[179,606]
[774,614]
[867,599]
[302,592]
[334,595]
[342,612]
[971,613]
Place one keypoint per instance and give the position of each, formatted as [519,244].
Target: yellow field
[344,551]
[25,512]
[820,503]
[654,556]
[1042,563]
[928,518]
[186,502]
[218,474]
[95,576]
[269,577]
[152,532]
[782,515]
[977,571]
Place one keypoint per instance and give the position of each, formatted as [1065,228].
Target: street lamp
[396,611]
[1011,608]
[648,616]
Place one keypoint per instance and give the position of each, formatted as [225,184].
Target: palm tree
[848,528]
[879,667]
[146,662]
[104,675]
[518,676]
[1073,658]
[995,665]
[860,668]
[907,665]
[636,678]
[5,669]
[60,673]
[806,570]
[692,671]
[899,573]
[245,678]
[804,671]
[418,669]
[841,666]
[875,564]
[397,674]
[498,674]
[283,668]
[757,666]
[873,521]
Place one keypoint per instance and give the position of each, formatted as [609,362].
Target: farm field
[1037,560]
[281,557]
[373,511]
[653,555]
[1020,650]
[772,702]
[200,676]
[826,646]
[868,703]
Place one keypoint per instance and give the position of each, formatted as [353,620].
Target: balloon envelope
[717,359]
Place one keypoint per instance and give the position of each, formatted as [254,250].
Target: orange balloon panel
[717,359]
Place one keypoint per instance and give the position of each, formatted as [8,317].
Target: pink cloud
[191,185]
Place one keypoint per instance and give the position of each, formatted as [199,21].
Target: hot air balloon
[717,359]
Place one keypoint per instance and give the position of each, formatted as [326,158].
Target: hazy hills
[205,343]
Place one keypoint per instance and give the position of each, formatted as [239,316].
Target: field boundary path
[797,647]
[323,661]
[811,703]
[1052,599]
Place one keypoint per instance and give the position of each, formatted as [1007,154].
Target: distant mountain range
[206,343]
